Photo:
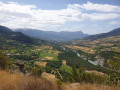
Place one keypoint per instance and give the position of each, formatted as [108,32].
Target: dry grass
[85,49]
[48,76]
[77,86]
[20,82]
[38,49]
[48,58]
[41,63]
[116,49]
[106,44]
[47,47]
[95,72]
[57,52]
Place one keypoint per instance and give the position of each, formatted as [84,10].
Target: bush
[37,71]
[79,75]
[4,62]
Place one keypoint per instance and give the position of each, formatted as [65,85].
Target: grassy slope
[77,86]
[20,82]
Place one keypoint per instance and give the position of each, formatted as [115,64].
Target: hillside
[51,35]
[8,34]
[103,51]
[21,82]
[115,32]
[19,46]
[65,63]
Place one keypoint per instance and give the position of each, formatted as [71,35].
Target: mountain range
[8,34]
[51,35]
[25,35]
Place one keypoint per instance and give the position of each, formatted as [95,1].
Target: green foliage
[48,69]
[44,53]
[87,55]
[114,78]
[73,59]
[65,68]
[4,61]
[54,64]
[37,71]
[29,66]
[66,73]
[79,75]
[112,59]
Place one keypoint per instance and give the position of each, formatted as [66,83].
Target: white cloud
[100,16]
[14,15]
[97,7]
[114,22]
[28,16]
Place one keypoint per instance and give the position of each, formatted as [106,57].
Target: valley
[80,60]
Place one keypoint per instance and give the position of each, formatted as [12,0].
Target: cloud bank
[15,15]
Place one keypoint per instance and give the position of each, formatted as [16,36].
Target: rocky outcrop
[19,66]
[99,61]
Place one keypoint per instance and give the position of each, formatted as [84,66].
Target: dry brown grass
[41,63]
[95,72]
[77,86]
[48,76]
[85,49]
[47,47]
[48,58]
[116,49]
[106,44]
[20,82]
[38,49]
[57,52]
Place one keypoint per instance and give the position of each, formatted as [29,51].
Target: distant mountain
[115,32]
[8,34]
[51,35]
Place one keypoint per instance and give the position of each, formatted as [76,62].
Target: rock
[48,76]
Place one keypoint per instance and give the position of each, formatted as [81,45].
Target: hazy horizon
[59,31]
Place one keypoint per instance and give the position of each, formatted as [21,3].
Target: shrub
[4,62]
[37,71]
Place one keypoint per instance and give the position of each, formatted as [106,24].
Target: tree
[115,63]
[114,78]
[4,62]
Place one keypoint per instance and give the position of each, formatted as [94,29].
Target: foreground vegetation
[87,86]
[20,82]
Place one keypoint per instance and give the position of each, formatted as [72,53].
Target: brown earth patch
[48,58]
[41,63]
[95,72]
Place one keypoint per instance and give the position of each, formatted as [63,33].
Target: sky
[88,16]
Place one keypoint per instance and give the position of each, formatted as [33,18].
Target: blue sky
[89,16]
